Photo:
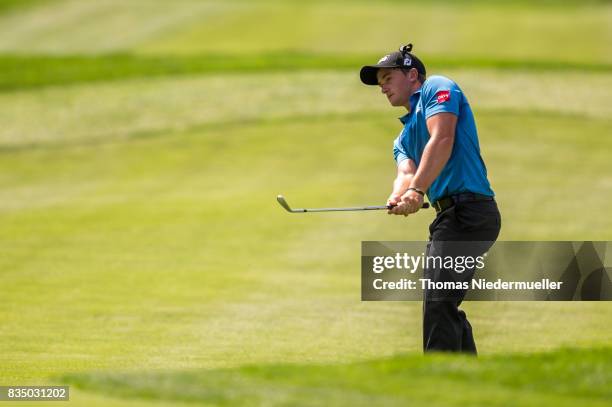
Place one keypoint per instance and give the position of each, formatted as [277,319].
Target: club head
[283,203]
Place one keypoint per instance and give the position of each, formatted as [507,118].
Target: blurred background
[144,259]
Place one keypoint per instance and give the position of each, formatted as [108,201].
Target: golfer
[438,155]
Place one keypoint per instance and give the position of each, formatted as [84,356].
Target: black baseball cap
[399,59]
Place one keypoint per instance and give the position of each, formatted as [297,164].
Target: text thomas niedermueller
[458,263]
[479,284]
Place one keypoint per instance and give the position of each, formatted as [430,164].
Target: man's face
[396,85]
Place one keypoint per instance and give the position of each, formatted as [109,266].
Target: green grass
[165,105]
[194,274]
[7,6]
[23,71]
[537,33]
[574,32]
[134,250]
[566,377]
[145,260]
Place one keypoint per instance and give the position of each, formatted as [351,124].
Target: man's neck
[412,93]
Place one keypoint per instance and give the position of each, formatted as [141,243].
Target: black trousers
[445,326]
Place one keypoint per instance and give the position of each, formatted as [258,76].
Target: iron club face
[281,200]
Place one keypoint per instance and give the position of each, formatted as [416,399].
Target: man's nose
[383,89]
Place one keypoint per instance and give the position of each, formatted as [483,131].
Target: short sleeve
[441,95]
[399,153]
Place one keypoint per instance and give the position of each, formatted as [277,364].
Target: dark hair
[421,77]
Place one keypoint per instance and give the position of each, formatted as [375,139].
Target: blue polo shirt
[465,170]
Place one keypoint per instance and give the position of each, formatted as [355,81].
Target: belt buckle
[437,206]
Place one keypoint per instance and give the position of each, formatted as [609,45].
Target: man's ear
[413,74]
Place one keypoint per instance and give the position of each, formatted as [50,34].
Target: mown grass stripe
[27,71]
[493,380]
[217,127]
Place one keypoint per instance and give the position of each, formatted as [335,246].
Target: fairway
[145,260]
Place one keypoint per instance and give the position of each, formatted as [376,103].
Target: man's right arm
[405,171]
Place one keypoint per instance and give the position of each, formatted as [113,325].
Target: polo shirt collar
[414,98]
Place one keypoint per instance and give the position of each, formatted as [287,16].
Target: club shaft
[356,208]
[283,202]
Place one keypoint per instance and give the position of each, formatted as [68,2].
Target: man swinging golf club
[438,155]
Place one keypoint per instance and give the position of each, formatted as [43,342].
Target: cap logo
[407,61]
[383,59]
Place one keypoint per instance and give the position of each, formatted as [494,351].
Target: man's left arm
[438,150]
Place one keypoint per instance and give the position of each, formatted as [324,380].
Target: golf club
[281,200]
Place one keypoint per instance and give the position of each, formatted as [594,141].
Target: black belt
[448,201]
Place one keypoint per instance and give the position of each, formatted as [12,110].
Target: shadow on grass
[564,377]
